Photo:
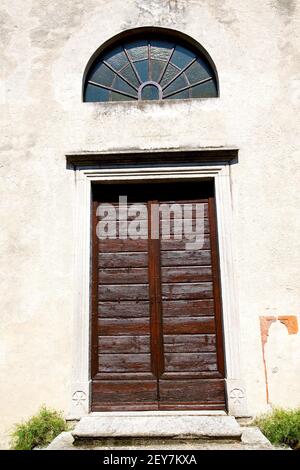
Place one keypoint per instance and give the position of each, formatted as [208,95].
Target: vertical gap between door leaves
[157,354]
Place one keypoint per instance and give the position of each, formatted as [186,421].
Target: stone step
[252,439]
[160,425]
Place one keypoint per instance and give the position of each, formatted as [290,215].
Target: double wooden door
[156,310]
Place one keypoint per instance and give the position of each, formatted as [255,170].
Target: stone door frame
[152,166]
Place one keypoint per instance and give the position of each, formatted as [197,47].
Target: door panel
[188,277]
[191,394]
[122,368]
[124,395]
[156,311]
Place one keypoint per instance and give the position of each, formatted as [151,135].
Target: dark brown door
[156,324]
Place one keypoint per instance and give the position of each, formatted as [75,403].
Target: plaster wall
[255,46]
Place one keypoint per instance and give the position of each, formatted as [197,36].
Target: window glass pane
[182,56]
[102,74]
[198,71]
[183,95]
[94,94]
[180,82]
[170,72]
[161,50]
[119,84]
[150,92]
[137,50]
[118,97]
[128,73]
[157,67]
[206,90]
[142,68]
[116,58]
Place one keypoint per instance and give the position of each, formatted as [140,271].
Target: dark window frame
[132,89]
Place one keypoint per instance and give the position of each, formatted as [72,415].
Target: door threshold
[165,424]
[159,413]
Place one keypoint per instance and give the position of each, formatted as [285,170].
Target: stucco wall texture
[46,45]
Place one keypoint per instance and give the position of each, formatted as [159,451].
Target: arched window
[152,65]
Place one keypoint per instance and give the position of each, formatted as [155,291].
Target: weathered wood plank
[123,292]
[191,374]
[127,406]
[198,391]
[124,362]
[123,275]
[189,325]
[124,309]
[186,226]
[134,375]
[123,260]
[128,326]
[191,200]
[188,209]
[192,308]
[119,245]
[126,391]
[203,290]
[189,343]
[179,362]
[186,274]
[124,344]
[181,245]
[133,211]
[186,258]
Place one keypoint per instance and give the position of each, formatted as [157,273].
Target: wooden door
[156,323]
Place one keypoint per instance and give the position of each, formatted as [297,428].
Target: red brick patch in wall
[291,323]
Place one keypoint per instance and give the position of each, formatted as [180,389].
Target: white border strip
[80,396]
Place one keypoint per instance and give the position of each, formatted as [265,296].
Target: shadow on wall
[280,348]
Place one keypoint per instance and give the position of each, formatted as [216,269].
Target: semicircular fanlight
[152,69]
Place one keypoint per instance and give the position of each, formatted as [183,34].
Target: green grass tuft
[39,430]
[281,426]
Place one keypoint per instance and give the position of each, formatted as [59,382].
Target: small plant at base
[281,426]
[39,430]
